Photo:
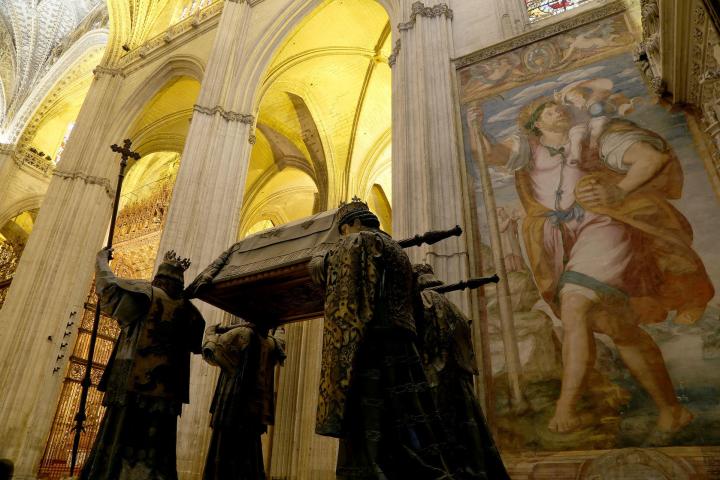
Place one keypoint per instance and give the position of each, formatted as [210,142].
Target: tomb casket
[264,278]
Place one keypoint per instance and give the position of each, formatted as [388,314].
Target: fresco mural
[607,226]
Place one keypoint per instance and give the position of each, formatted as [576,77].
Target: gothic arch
[131,23]
[29,203]
[257,64]
[268,208]
[346,129]
[151,138]
[119,23]
[370,166]
[326,181]
[173,68]
[78,60]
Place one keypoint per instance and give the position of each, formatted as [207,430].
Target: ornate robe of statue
[449,360]
[244,402]
[147,378]
[373,391]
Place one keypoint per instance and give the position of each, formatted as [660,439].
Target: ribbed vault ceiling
[30,32]
[324,118]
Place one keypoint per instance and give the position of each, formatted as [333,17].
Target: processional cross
[125,154]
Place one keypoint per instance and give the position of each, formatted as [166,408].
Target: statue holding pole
[147,378]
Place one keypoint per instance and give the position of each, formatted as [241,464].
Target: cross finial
[125,150]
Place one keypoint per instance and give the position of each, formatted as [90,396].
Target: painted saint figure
[445,344]
[512,254]
[606,248]
[148,376]
[244,401]
[373,391]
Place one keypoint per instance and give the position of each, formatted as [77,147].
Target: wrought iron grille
[56,459]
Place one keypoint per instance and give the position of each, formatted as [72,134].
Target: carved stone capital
[245,118]
[100,70]
[419,9]
[88,179]
[392,58]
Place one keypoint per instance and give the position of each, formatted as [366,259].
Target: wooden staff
[507,324]
[80,417]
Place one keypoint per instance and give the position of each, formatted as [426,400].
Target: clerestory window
[540,9]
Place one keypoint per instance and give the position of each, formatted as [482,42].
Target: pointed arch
[79,60]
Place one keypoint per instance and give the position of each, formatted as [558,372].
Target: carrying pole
[80,417]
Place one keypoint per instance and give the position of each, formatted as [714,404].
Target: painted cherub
[593,104]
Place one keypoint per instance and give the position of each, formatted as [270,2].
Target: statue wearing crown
[373,392]
[147,377]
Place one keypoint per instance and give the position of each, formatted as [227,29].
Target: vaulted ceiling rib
[31,37]
[328,92]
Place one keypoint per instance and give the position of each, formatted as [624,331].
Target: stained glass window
[539,9]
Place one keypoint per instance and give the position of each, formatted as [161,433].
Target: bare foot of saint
[564,421]
[674,419]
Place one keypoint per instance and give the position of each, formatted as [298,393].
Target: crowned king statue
[147,377]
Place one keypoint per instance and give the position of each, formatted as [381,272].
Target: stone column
[6,154]
[52,280]
[204,212]
[428,186]
[297,452]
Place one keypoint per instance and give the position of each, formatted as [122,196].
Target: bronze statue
[373,391]
[244,403]
[447,352]
[147,378]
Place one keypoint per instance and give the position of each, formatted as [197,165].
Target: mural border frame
[694,462]
[541,33]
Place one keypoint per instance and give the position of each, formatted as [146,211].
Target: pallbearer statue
[244,401]
[373,391]
[445,343]
[147,378]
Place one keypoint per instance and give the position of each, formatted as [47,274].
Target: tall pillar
[297,451]
[52,280]
[204,212]
[6,165]
[428,186]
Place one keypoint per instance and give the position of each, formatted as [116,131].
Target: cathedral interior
[249,115]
